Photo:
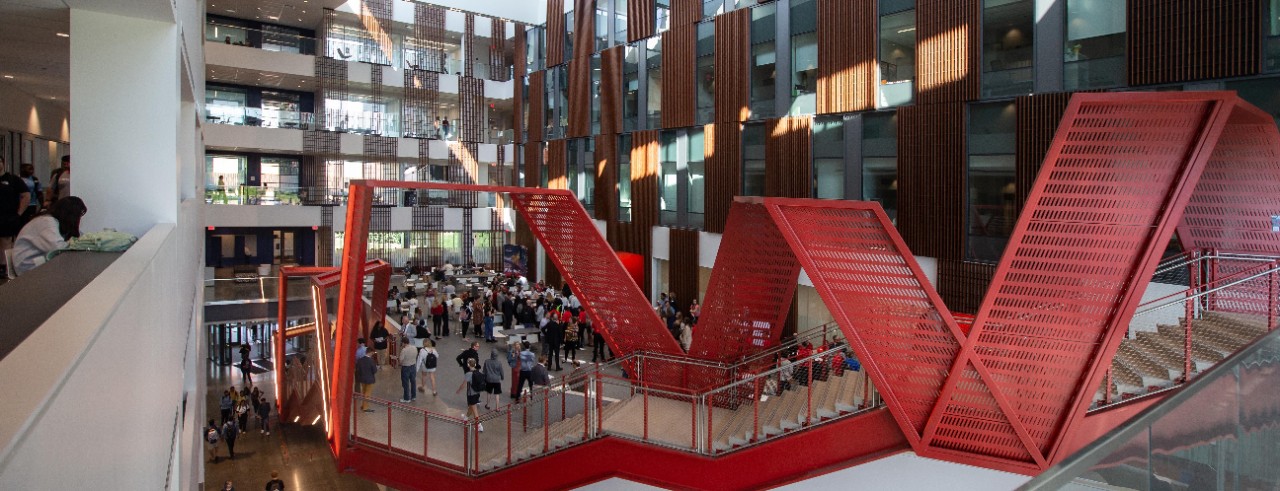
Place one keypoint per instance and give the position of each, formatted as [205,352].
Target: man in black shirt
[14,198]
[473,353]
[380,337]
[555,338]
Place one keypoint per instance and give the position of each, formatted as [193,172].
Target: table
[529,334]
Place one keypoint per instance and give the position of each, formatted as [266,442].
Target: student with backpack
[474,382]
[428,359]
[211,435]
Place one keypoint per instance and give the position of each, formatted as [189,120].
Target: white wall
[20,111]
[260,60]
[262,216]
[247,138]
[95,395]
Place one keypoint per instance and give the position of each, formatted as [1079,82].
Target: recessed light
[8,76]
[272,17]
[63,35]
[231,10]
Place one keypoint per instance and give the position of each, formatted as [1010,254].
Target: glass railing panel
[1219,432]
[264,39]
[1094,74]
[895,94]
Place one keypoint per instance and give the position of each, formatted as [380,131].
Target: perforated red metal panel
[1101,211]
[751,287]
[617,307]
[875,290]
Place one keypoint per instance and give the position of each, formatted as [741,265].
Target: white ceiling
[33,54]
[242,76]
[305,14]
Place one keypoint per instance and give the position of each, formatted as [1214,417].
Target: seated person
[47,232]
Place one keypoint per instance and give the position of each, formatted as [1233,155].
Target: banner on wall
[515,259]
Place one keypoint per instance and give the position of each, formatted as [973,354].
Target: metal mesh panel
[1069,270]
[619,310]
[750,290]
[879,297]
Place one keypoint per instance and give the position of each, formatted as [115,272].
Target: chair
[10,269]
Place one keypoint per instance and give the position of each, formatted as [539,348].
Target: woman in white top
[47,233]
[429,347]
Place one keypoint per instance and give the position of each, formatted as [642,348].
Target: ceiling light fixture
[904,31]
[63,35]
[8,76]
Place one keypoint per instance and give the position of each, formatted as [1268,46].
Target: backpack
[420,331]
[430,361]
[478,382]
[211,436]
[465,315]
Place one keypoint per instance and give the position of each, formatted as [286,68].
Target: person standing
[597,349]
[229,433]
[225,405]
[408,366]
[508,312]
[211,435]
[60,180]
[28,174]
[264,415]
[493,377]
[366,376]
[472,353]
[245,364]
[488,322]
[571,341]
[275,484]
[473,382]
[555,339]
[14,201]
[439,318]
[428,359]
[527,362]
[379,334]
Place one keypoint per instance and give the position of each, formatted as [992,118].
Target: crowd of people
[679,323]
[35,221]
[235,408]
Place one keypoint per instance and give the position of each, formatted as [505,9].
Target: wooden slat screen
[948,33]
[498,60]
[962,284]
[555,32]
[788,171]
[606,198]
[579,97]
[1038,117]
[684,13]
[732,71]
[723,142]
[536,100]
[1183,40]
[517,84]
[469,39]
[533,164]
[556,154]
[678,99]
[471,99]
[846,55]
[683,268]
[931,179]
[611,90]
[640,22]
[584,28]
[421,92]
[645,168]
[463,169]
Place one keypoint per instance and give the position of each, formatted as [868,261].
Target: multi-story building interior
[226,135]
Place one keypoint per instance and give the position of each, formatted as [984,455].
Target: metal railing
[637,397]
[1230,299]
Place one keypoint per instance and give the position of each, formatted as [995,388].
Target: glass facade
[681,193]
[897,53]
[880,160]
[631,88]
[580,168]
[1272,32]
[695,195]
[828,157]
[619,21]
[804,56]
[992,192]
[753,140]
[712,8]
[224,178]
[764,73]
[602,25]
[669,179]
[595,93]
[1008,35]
[1094,54]
[662,15]
[705,77]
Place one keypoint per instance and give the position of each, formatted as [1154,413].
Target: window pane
[595,94]
[880,161]
[653,64]
[224,178]
[568,35]
[804,56]
[662,15]
[897,58]
[602,27]
[828,157]
[753,159]
[712,8]
[631,88]
[763,58]
[1094,54]
[588,175]
[1007,38]
[1262,92]
[992,192]
[669,182]
[697,177]
[1273,36]
[620,21]
[624,178]
[706,75]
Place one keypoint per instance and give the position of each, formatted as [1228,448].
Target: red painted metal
[751,287]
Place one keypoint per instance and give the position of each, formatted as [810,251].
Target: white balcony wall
[262,216]
[252,138]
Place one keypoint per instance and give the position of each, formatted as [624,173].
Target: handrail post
[388,427]
[710,409]
[355,422]
[1271,298]
[426,423]
[1106,390]
[475,449]
[586,408]
[1189,311]
[546,428]
[755,412]
[645,419]
[599,405]
[508,437]
[866,389]
[693,424]
[808,411]
[466,447]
